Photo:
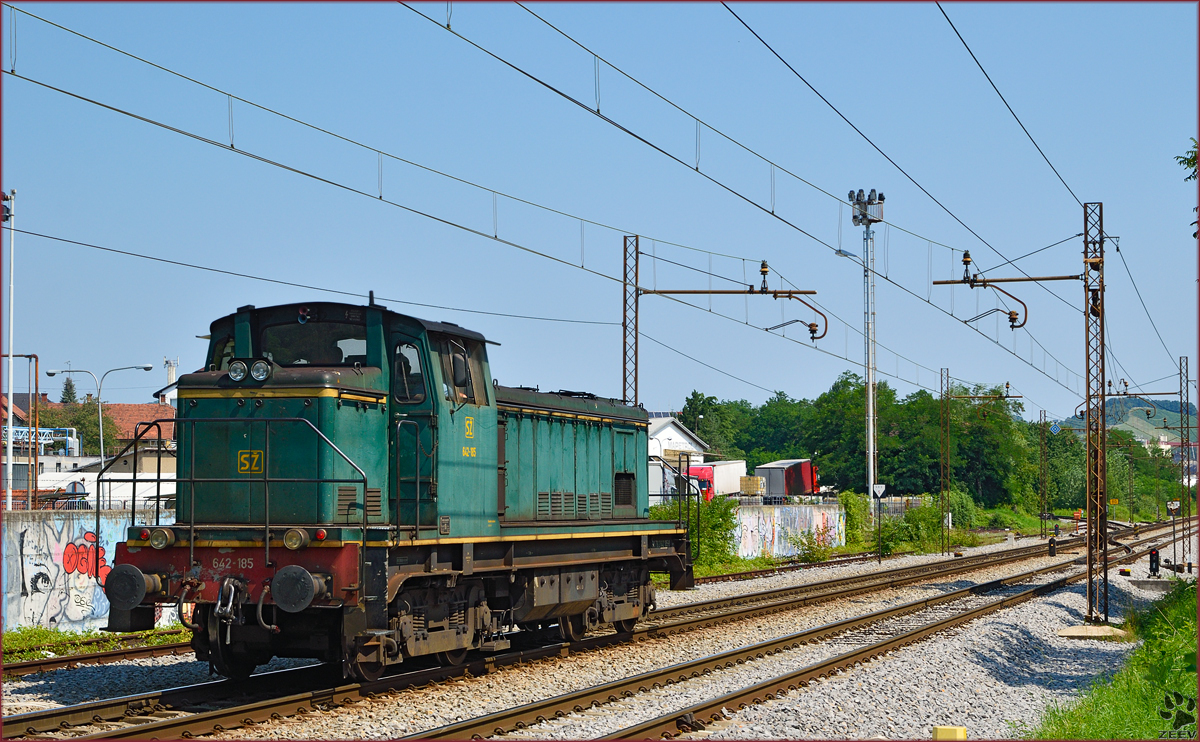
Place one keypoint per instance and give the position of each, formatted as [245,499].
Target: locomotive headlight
[260,370]
[295,538]
[237,370]
[161,538]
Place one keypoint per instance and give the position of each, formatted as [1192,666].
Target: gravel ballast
[1012,653]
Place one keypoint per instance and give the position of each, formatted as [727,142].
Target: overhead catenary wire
[358,295]
[1056,173]
[1003,100]
[308,287]
[448,222]
[699,121]
[379,152]
[382,154]
[1146,309]
[888,158]
[705,175]
[1028,254]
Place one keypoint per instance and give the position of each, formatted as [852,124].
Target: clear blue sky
[1108,90]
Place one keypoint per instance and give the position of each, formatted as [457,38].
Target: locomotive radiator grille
[555,506]
[623,489]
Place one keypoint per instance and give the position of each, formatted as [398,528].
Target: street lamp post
[99,404]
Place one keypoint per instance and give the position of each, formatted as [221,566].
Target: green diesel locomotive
[353,487]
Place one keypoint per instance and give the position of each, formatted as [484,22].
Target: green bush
[858,518]
[1002,519]
[717,521]
[892,533]
[962,509]
[812,546]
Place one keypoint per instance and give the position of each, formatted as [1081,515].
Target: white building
[672,441]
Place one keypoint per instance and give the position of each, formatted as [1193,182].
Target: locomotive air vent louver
[347,504]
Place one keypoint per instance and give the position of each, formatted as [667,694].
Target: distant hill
[1130,414]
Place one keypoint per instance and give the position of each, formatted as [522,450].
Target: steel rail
[509,720]
[143,713]
[691,718]
[874,580]
[65,661]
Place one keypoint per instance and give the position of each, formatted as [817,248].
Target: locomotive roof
[448,328]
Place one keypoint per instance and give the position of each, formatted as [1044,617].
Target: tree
[83,418]
[68,392]
[1188,162]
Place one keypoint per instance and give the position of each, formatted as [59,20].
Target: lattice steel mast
[631,294]
[1095,427]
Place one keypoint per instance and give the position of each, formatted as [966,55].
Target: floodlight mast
[865,210]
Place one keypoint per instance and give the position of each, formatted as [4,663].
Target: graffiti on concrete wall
[55,565]
[764,529]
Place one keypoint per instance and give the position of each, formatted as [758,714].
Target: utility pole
[629,322]
[1044,477]
[1185,440]
[631,293]
[865,211]
[945,458]
[1095,427]
[8,453]
[945,441]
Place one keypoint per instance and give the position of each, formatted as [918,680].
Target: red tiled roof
[18,413]
[127,416]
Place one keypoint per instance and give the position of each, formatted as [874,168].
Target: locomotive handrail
[687,486]
[266,480]
[157,478]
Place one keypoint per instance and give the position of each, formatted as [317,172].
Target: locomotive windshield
[315,343]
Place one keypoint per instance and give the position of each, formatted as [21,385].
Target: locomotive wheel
[224,660]
[572,628]
[367,671]
[453,658]
[625,626]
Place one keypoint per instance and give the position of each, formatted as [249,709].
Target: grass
[1127,705]
[728,565]
[34,642]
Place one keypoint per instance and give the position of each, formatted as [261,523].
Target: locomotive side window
[460,369]
[408,383]
[315,343]
[223,354]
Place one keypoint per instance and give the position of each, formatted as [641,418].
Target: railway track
[852,640]
[190,711]
[698,716]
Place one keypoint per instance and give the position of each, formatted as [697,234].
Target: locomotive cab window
[315,343]
[408,382]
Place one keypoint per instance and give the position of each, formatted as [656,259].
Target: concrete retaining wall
[763,529]
[48,566]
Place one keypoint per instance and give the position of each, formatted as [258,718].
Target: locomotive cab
[353,487]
